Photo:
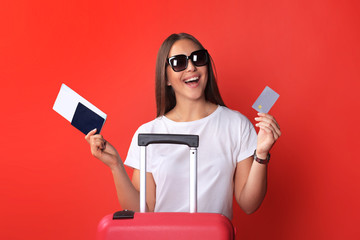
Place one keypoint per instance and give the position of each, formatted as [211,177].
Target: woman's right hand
[103,150]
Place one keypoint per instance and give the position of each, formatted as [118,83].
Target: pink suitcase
[166,225]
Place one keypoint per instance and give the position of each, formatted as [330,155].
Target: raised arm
[250,176]
[128,194]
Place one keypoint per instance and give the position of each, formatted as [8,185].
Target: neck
[186,111]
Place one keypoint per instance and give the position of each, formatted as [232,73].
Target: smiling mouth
[192,80]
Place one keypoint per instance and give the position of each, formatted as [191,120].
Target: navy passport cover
[86,120]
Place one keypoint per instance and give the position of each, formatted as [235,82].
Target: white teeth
[192,79]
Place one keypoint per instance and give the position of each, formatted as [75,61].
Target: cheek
[205,74]
[168,74]
[171,75]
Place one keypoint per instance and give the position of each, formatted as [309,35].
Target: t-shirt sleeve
[133,156]
[248,140]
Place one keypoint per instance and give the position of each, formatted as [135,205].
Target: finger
[266,120]
[99,143]
[91,133]
[277,124]
[267,125]
[97,136]
[269,130]
[278,133]
[275,137]
[275,127]
[268,116]
[105,144]
[270,120]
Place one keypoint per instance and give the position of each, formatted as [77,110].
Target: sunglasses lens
[178,63]
[199,58]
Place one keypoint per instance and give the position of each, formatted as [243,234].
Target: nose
[191,67]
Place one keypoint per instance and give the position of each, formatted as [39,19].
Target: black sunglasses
[180,62]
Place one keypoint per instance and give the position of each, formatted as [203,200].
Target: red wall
[308,51]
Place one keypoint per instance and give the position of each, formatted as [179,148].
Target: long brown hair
[165,96]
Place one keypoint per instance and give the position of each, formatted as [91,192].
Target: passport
[78,111]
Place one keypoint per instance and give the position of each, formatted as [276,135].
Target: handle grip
[145,139]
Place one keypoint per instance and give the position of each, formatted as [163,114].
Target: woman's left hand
[268,134]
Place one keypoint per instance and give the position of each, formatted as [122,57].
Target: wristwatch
[262,161]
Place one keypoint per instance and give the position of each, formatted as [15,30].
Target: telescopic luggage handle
[151,138]
[144,139]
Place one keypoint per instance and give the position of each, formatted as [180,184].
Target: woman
[188,102]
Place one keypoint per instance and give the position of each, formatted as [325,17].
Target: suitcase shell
[166,225]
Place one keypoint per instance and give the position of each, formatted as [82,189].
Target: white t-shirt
[226,137]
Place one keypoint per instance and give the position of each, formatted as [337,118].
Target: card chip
[260,107]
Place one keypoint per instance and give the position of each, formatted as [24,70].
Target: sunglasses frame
[189,58]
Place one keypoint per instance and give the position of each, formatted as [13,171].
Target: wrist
[262,158]
[261,153]
[116,166]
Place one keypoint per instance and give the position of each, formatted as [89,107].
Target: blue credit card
[266,100]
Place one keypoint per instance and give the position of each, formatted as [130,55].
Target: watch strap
[262,161]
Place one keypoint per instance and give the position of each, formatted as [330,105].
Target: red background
[308,51]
